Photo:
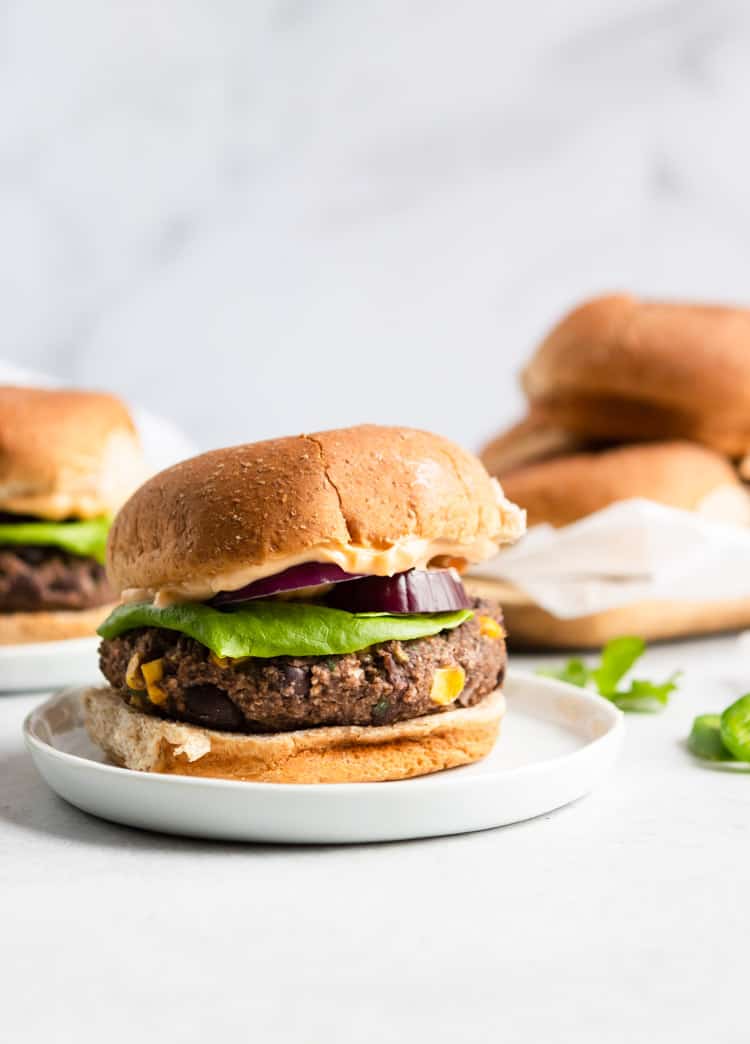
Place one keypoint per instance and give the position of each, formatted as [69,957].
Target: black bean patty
[376,686]
[33,579]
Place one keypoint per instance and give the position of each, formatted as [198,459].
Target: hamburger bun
[676,474]
[617,368]
[337,754]
[530,440]
[371,499]
[22,628]
[65,454]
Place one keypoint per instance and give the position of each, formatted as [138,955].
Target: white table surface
[621,918]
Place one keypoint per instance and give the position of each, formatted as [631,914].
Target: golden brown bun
[678,474]
[21,628]
[248,505]
[66,453]
[338,754]
[620,368]
[530,440]
[531,627]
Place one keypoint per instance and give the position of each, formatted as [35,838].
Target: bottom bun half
[22,628]
[336,754]
[531,627]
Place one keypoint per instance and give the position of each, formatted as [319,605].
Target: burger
[68,460]
[293,612]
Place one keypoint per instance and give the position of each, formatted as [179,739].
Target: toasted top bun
[370,499]
[677,474]
[66,454]
[620,368]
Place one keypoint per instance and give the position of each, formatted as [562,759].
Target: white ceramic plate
[48,665]
[556,744]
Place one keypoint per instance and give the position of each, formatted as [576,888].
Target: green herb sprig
[617,659]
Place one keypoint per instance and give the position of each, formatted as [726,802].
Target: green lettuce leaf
[278,628]
[87,538]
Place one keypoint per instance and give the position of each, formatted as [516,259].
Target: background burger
[293,612]
[68,460]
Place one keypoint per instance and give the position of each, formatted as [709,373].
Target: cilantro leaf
[645,695]
[575,672]
[618,656]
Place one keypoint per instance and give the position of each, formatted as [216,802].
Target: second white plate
[556,744]
[49,665]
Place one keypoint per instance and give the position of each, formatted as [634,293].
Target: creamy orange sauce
[411,553]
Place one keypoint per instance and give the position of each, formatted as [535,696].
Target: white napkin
[632,551]
[163,442]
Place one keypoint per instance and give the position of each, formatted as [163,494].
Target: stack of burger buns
[629,398]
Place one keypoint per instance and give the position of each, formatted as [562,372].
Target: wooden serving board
[531,627]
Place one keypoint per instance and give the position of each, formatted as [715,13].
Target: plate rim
[27,650]
[615,729]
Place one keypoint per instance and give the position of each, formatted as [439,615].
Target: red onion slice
[416,591]
[309,574]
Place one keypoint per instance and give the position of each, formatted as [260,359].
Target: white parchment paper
[632,551]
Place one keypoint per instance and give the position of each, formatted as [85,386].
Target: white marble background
[270,216]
